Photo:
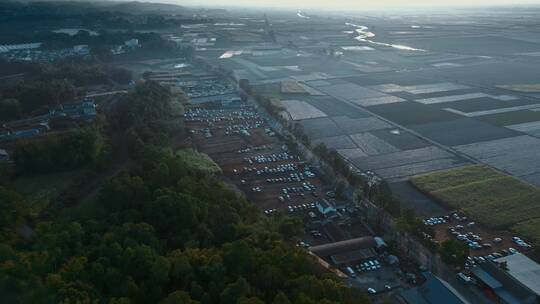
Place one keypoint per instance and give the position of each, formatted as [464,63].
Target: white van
[464,278]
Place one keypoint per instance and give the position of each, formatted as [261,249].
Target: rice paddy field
[492,198]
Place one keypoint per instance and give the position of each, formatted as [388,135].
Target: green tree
[178,297]
[10,109]
[454,252]
[281,298]
[234,291]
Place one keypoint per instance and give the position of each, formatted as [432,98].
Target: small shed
[4,155]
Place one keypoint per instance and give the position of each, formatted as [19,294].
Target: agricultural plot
[334,107]
[311,91]
[352,153]
[292,87]
[352,126]
[420,89]
[400,139]
[357,48]
[367,68]
[462,131]
[532,178]
[403,164]
[446,65]
[452,98]
[441,94]
[467,96]
[299,110]
[515,155]
[351,92]
[405,171]
[532,107]
[372,145]
[483,104]
[387,88]
[320,127]
[337,142]
[411,198]
[366,102]
[524,88]
[403,158]
[530,229]
[531,128]
[492,198]
[412,113]
[510,118]
[435,87]
[317,83]
[315,77]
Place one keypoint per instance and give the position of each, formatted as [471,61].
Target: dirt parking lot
[484,244]
[252,156]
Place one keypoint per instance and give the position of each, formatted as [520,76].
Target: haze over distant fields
[350,4]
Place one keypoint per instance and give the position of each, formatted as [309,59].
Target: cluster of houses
[33,52]
[64,116]
[128,45]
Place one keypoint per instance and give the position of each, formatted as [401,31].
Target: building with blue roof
[433,291]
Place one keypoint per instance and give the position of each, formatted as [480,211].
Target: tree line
[47,84]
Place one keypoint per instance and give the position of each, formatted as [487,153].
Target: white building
[326,208]
[132,43]
[18,47]
[4,156]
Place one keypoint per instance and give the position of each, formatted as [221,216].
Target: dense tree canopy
[71,150]
[160,232]
[46,84]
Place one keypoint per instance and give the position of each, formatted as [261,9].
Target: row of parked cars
[368,265]
[306,186]
[301,207]
[263,159]
[471,261]
[472,240]
[243,128]
[251,149]
[283,168]
[212,115]
[432,221]
[520,242]
[293,177]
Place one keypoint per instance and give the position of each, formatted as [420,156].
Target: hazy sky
[349,4]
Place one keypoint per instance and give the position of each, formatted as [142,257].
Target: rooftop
[523,269]
[353,256]
[343,246]
[433,291]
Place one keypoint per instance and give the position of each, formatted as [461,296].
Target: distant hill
[146,7]
[85,6]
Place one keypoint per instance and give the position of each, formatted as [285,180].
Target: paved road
[107,93]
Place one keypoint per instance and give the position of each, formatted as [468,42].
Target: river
[364,35]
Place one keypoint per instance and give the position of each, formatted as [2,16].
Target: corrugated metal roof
[524,270]
[343,246]
[486,278]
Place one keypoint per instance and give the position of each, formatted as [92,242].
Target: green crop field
[494,199]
